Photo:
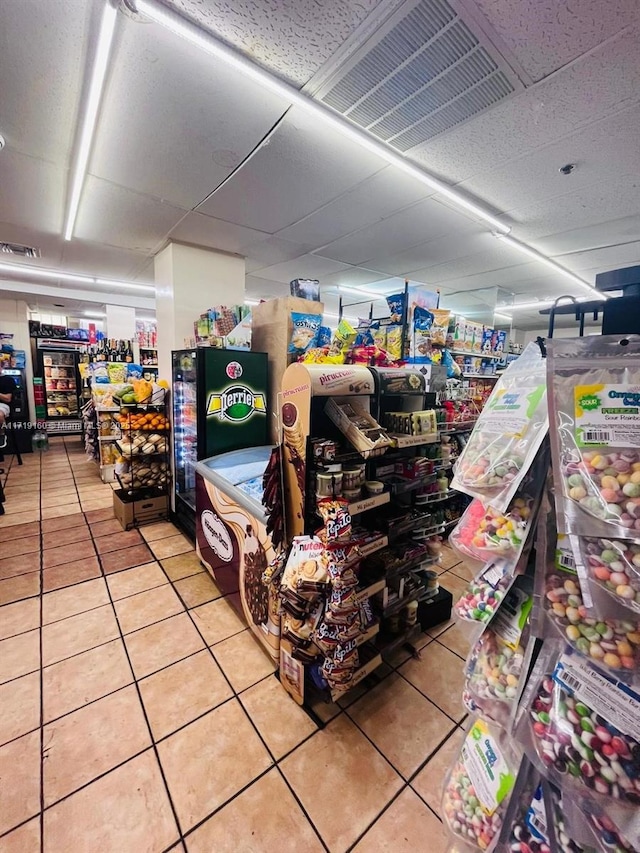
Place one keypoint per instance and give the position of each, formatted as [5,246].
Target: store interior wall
[14,319]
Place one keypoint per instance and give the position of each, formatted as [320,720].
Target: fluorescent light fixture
[19,271]
[252,302]
[107,282]
[518,306]
[180,26]
[39,272]
[543,259]
[90,114]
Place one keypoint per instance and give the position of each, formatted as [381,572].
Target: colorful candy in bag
[585,728]
[482,599]
[478,787]
[525,828]
[508,433]
[613,565]
[495,663]
[594,386]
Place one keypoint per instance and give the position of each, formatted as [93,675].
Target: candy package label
[494,573]
[616,702]
[486,767]
[607,415]
[536,818]
[509,412]
[509,622]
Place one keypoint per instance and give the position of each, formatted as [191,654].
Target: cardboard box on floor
[271,332]
[129,509]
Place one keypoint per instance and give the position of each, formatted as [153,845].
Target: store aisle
[138,714]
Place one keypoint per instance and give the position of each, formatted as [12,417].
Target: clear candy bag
[526,824]
[507,435]
[478,787]
[594,399]
[610,565]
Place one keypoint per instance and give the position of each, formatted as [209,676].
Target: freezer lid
[232,471]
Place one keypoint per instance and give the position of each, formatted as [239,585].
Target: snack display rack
[143,468]
[343,461]
[552,679]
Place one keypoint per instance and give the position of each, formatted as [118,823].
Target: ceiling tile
[601,202]
[306,266]
[100,260]
[435,252]
[50,245]
[611,258]
[273,250]
[291,37]
[622,230]
[31,191]
[213,233]
[42,56]
[544,35]
[303,166]
[422,221]
[601,151]
[596,86]
[372,200]
[263,288]
[120,217]
[354,277]
[162,135]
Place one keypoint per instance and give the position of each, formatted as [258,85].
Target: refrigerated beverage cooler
[219,405]
[231,537]
[57,362]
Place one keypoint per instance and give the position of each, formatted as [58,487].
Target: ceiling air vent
[420,75]
[18,249]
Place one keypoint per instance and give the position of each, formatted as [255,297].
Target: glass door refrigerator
[219,405]
[58,365]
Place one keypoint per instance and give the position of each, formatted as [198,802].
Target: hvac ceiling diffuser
[428,73]
[19,250]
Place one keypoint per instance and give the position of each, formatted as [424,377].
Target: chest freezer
[231,537]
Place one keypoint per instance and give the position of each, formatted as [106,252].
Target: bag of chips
[305,332]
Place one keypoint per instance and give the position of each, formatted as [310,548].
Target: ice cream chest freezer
[231,537]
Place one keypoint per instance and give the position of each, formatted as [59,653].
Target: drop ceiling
[187,150]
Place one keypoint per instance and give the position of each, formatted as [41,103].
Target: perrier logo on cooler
[236,403]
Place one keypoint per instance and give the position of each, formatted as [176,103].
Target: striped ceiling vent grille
[426,75]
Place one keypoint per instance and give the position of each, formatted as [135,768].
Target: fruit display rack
[142,468]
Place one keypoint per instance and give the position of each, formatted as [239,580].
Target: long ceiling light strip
[20,271]
[209,44]
[90,114]
[543,259]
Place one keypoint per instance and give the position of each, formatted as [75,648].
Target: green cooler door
[235,400]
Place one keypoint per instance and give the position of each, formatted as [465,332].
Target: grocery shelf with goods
[142,466]
[352,505]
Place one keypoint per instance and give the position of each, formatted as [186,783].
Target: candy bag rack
[551,760]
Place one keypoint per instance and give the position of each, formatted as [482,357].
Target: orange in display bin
[132,508]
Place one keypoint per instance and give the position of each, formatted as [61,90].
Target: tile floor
[137,713]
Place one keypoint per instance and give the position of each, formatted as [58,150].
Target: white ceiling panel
[601,202]
[100,260]
[164,136]
[291,37]
[602,151]
[593,87]
[120,217]
[369,202]
[50,245]
[264,288]
[354,277]
[303,166]
[31,191]
[421,222]
[306,266]
[544,35]
[42,51]
[623,230]
[273,250]
[606,259]
[435,252]
[214,233]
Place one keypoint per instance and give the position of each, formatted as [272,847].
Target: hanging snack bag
[481,599]
[496,661]
[478,788]
[525,826]
[594,409]
[324,336]
[394,342]
[611,565]
[344,337]
[305,332]
[422,327]
[440,326]
[583,726]
[507,435]
[397,305]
